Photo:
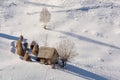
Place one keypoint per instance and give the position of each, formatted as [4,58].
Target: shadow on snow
[82,73]
[9,36]
[42,4]
[88,39]
[87,8]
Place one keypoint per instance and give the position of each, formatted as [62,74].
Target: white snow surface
[93,25]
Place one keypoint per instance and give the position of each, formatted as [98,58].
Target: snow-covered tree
[45,16]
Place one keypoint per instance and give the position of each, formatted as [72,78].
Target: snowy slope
[94,26]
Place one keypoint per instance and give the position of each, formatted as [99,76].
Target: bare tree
[45,16]
[66,51]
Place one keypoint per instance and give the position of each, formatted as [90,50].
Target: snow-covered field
[93,25]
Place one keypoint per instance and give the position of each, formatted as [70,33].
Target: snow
[94,26]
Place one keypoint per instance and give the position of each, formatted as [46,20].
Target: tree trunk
[45,27]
